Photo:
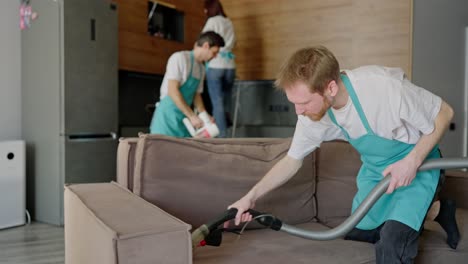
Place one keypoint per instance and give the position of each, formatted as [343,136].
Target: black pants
[395,242]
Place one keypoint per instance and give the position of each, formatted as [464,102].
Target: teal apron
[408,204]
[227,55]
[167,118]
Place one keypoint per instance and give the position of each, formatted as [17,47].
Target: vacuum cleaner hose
[366,205]
[200,234]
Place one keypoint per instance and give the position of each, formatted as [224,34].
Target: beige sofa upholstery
[194,180]
[126,162]
[107,224]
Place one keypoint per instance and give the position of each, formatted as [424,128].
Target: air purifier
[12,183]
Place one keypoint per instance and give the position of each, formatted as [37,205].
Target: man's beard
[318,116]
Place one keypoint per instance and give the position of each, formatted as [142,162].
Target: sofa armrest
[456,187]
[126,161]
[105,223]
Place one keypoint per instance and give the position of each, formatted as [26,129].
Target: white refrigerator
[69,99]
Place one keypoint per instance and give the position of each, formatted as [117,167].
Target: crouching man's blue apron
[167,118]
[408,204]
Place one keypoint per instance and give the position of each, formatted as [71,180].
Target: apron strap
[227,55]
[191,66]
[333,119]
[191,63]
[349,87]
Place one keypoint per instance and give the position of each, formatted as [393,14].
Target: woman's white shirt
[223,26]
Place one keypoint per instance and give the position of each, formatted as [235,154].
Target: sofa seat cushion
[433,247]
[268,246]
[196,180]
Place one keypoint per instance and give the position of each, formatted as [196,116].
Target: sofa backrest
[456,184]
[126,161]
[195,180]
[338,164]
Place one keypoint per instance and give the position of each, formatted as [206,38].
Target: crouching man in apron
[182,86]
[394,125]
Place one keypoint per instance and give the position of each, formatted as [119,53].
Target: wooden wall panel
[359,32]
[141,52]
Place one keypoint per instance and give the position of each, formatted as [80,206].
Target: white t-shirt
[178,68]
[223,26]
[394,107]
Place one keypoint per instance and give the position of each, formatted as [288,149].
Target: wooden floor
[36,243]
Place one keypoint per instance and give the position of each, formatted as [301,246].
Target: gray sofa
[168,185]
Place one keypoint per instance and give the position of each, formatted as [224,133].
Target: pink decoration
[26,15]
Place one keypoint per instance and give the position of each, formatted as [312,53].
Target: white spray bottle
[209,129]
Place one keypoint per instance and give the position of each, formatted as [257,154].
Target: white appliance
[12,184]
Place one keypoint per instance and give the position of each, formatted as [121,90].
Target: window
[165,21]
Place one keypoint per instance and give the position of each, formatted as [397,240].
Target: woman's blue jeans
[220,83]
